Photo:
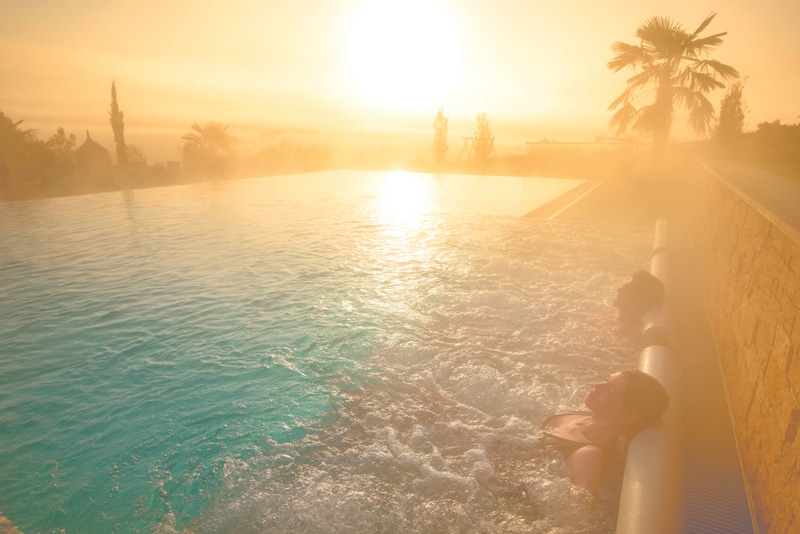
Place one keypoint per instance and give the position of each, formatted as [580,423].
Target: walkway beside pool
[7,527]
[779,195]
[714,494]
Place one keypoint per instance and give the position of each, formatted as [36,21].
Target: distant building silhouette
[93,163]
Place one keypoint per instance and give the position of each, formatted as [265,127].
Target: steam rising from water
[226,358]
[490,326]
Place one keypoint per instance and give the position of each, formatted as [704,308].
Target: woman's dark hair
[649,290]
[643,396]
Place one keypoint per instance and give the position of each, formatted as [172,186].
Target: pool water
[344,351]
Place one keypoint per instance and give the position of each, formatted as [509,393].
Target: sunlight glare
[403,54]
[401,210]
[404,199]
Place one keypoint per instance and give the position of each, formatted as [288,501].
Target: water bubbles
[302,365]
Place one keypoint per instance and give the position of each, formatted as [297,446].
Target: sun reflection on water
[404,209]
[403,200]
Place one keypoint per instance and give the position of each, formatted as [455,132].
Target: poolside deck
[714,495]
[7,527]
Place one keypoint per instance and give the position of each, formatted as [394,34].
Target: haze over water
[359,73]
[242,356]
[291,353]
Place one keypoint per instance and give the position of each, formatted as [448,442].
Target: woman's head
[638,295]
[643,396]
[631,397]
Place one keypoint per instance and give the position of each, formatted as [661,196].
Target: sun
[403,53]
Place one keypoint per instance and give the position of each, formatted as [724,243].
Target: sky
[361,72]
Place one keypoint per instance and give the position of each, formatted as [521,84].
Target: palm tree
[672,65]
[10,130]
[209,149]
[15,149]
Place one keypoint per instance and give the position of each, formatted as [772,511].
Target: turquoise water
[333,352]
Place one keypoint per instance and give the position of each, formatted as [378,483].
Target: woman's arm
[587,465]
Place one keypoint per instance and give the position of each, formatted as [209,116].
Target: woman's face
[606,400]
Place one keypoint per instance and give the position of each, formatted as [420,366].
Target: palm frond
[705,45]
[626,55]
[662,36]
[701,114]
[683,96]
[28,135]
[700,110]
[657,27]
[622,119]
[697,80]
[624,98]
[726,71]
[643,78]
[645,123]
[704,24]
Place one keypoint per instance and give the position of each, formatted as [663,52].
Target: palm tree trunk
[663,115]
[660,142]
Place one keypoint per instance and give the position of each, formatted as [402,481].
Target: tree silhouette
[731,117]
[209,150]
[439,145]
[673,66]
[16,147]
[12,134]
[61,142]
[136,155]
[484,139]
[62,147]
[118,126]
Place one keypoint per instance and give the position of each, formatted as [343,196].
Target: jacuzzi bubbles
[250,357]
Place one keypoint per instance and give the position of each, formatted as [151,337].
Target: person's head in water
[620,406]
[630,398]
[640,294]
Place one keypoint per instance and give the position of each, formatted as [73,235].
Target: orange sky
[300,68]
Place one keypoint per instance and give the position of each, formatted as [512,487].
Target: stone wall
[749,263]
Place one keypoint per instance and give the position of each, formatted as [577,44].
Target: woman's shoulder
[588,465]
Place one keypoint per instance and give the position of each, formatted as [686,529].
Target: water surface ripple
[274,355]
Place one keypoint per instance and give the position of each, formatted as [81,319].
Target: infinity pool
[333,352]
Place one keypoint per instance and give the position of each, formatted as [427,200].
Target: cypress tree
[118,126]
[439,145]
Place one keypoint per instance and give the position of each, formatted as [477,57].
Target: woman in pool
[623,404]
[641,293]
